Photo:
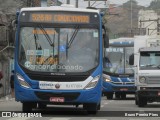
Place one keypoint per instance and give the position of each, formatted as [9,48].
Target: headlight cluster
[106,78]
[93,82]
[142,79]
[22,81]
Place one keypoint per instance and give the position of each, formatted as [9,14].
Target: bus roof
[59,8]
[122,42]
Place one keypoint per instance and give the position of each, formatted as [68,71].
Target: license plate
[56,99]
[123,89]
[158,93]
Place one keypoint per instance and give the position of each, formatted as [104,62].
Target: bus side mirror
[105,38]
[131,59]
[106,41]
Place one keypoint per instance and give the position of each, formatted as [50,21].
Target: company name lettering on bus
[48,85]
[45,66]
[60,18]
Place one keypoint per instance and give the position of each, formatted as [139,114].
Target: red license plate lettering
[123,89]
[57,99]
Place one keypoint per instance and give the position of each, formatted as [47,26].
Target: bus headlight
[92,83]
[142,79]
[106,78]
[22,81]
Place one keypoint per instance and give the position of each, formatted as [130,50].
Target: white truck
[146,60]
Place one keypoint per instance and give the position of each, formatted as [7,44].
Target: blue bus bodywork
[118,75]
[37,85]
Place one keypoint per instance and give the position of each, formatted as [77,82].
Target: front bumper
[149,92]
[110,87]
[70,96]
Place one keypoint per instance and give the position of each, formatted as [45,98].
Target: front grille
[129,83]
[67,96]
[57,78]
[123,83]
[153,80]
[127,88]
[150,88]
[118,83]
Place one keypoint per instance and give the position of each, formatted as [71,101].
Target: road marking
[57,118]
[102,105]
[137,119]
[19,118]
[98,119]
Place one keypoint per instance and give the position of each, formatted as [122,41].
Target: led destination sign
[60,18]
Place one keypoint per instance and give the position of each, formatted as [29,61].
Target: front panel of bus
[118,74]
[58,57]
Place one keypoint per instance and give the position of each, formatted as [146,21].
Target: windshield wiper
[36,38]
[46,35]
[49,41]
[72,37]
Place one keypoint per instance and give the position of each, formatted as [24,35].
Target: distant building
[148,19]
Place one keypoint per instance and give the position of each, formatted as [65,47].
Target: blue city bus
[118,75]
[58,57]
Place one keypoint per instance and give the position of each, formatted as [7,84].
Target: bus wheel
[142,102]
[136,100]
[42,106]
[27,106]
[117,95]
[91,108]
[123,96]
[109,96]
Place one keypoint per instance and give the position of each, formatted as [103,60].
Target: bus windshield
[116,60]
[49,49]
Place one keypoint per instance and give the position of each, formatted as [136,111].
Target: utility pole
[89,4]
[76,3]
[131,17]
[158,26]
[156,20]
[68,1]
[131,14]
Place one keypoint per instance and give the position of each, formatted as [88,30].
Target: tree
[154,5]
[128,4]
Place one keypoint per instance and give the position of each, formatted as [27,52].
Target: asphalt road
[110,110]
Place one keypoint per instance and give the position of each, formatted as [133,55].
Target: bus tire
[109,96]
[136,100]
[142,102]
[117,95]
[27,106]
[123,96]
[42,106]
[90,107]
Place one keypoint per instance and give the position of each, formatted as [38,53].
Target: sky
[83,3]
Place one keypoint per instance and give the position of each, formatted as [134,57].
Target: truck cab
[147,69]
